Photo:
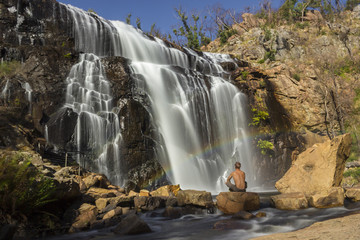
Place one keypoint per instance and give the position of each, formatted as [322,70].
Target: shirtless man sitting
[239,179]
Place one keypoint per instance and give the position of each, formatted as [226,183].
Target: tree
[128,19]
[305,4]
[192,32]
[351,4]
[287,10]
[138,23]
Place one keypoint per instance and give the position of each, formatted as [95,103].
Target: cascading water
[199,115]
[28,93]
[97,129]
[5,93]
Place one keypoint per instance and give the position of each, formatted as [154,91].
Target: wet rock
[101,203]
[144,193]
[149,203]
[112,213]
[132,225]
[97,193]
[133,194]
[128,211]
[260,214]
[243,215]
[317,169]
[99,224]
[353,194]
[177,212]
[290,201]
[96,180]
[171,202]
[334,197]
[172,213]
[86,217]
[233,202]
[65,172]
[166,191]
[122,201]
[196,198]
[66,189]
[61,126]
[108,208]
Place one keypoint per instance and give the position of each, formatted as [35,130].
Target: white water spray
[97,130]
[198,113]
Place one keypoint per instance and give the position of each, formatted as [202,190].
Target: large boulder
[353,194]
[96,193]
[112,213]
[166,191]
[149,203]
[132,225]
[122,201]
[318,169]
[331,198]
[67,189]
[194,197]
[87,216]
[101,203]
[233,202]
[96,180]
[290,201]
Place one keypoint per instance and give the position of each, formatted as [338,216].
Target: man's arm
[229,177]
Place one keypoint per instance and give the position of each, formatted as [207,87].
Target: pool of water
[201,226]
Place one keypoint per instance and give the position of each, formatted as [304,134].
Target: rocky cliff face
[303,75]
[37,48]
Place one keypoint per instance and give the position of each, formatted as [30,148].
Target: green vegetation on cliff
[22,187]
[9,68]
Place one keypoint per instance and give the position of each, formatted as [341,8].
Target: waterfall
[200,116]
[5,93]
[28,93]
[97,129]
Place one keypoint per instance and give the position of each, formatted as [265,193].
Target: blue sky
[160,12]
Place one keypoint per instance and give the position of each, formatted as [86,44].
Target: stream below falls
[201,226]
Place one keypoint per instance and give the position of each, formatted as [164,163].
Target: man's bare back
[239,178]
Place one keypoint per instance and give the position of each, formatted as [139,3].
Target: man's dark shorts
[233,188]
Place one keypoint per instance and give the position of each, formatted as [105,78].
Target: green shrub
[267,34]
[17,102]
[68,55]
[92,11]
[265,146]
[244,75]
[296,77]
[354,173]
[9,68]
[226,34]
[301,25]
[258,117]
[22,187]
[270,55]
